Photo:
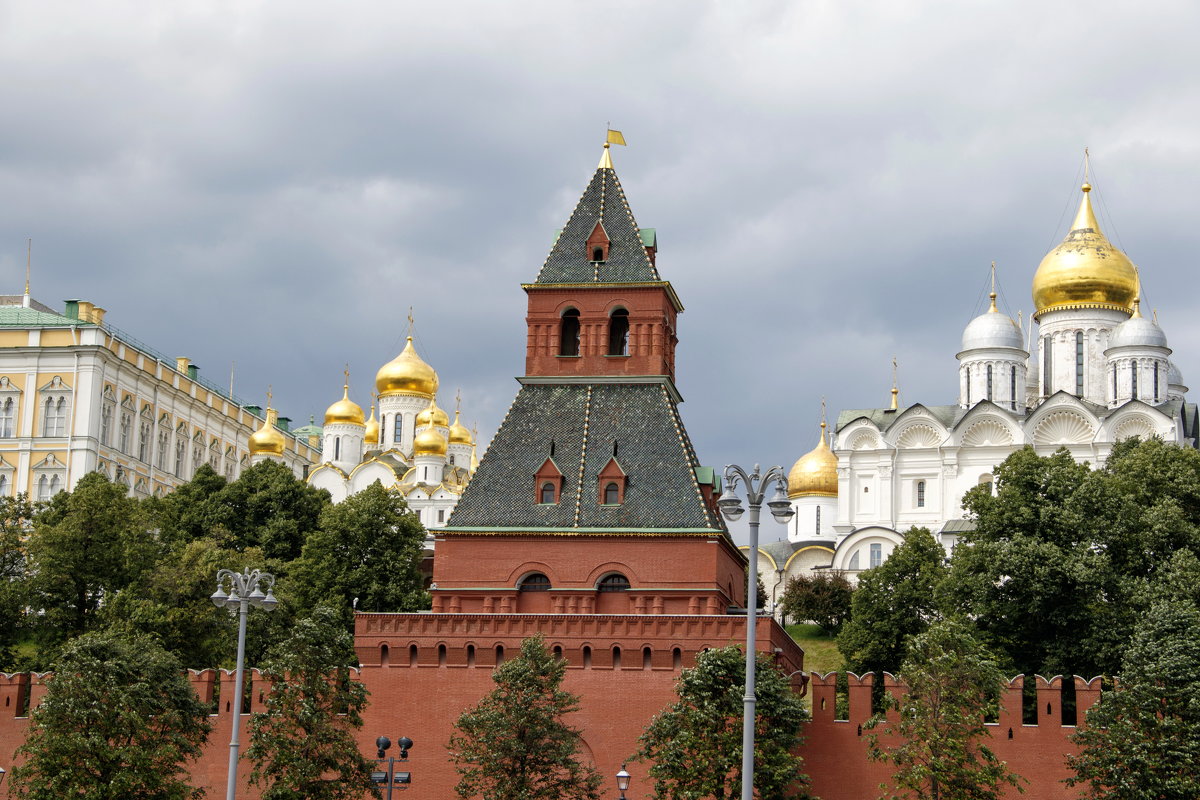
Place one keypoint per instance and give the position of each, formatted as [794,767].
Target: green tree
[893,602]
[824,598]
[369,548]
[1061,554]
[514,745]
[303,746]
[1142,740]
[16,518]
[695,745]
[119,722]
[953,683]
[85,545]
[190,511]
[267,507]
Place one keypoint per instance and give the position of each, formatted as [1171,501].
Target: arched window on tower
[1114,383]
[398,425]
[818,524]
[1155,398]
[618,333]
[920,494]
[1133,379]
[569,336]
[1012,389]
[337,448]
[989,381]
[1079,363]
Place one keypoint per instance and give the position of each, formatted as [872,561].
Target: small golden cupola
[1085,270]
[459,433]
[407,374]
[268,440]
[429,442]
[433,416]
[371,436]
[815,472]
[344,411]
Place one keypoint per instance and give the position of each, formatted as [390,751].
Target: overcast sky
[276,183]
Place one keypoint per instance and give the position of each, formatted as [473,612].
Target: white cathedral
[1095,372]
[413,448]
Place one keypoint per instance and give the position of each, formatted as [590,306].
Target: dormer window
[612,494]
[548,483]
[612,482]
[597,244]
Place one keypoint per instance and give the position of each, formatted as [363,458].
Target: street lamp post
[245,589]
[622,781]
[731,507]
[390,778]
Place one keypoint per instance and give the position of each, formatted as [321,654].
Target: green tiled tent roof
[584,422]
[603,201]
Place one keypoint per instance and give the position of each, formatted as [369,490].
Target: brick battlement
[835,749]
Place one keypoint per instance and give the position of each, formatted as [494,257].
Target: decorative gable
[610,488]
[547,483]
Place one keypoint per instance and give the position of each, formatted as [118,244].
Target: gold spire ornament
[613,137]
[895,387]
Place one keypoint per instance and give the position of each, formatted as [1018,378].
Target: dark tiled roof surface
[603,201]
[584,421]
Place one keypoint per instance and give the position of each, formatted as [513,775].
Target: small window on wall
[612,494]
[988,481]
[535,582]
[613,583]
[920,494]
[546,493]
[876,555]
[618,333]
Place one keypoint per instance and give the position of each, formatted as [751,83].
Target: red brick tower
[589,519]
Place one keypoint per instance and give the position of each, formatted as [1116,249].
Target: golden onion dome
[459,433]
[344,411]
[1085,270]
[372,434]
[433,416]
[407,373]
[429,442]
[268,440]
[815,472]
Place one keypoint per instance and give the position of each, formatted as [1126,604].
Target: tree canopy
[119,722]
[695,744]
[515,744]
[953,683]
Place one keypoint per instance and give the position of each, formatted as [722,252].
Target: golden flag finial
[895,387]
[613,137]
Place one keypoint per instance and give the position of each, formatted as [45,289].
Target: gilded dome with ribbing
[429,442]
[372,433]
[344,411]
[1085,270]
[433,416]
[268,440]
[459,433]
[815,472]
[407,373]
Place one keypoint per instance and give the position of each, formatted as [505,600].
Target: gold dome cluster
[408,374]
[815,472]
[268,440]
[344,411]
[1085,270]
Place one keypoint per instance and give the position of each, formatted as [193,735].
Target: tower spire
[895,387]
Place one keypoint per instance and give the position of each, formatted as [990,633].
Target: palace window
[145,427]
[7,412]
[180,448]
[197,452]
[618,333]
[125,426]
[107,411]
[164,442]
[569,333]
[54,422]
[3,485]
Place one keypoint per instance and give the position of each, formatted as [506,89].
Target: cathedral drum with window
[1093,371]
